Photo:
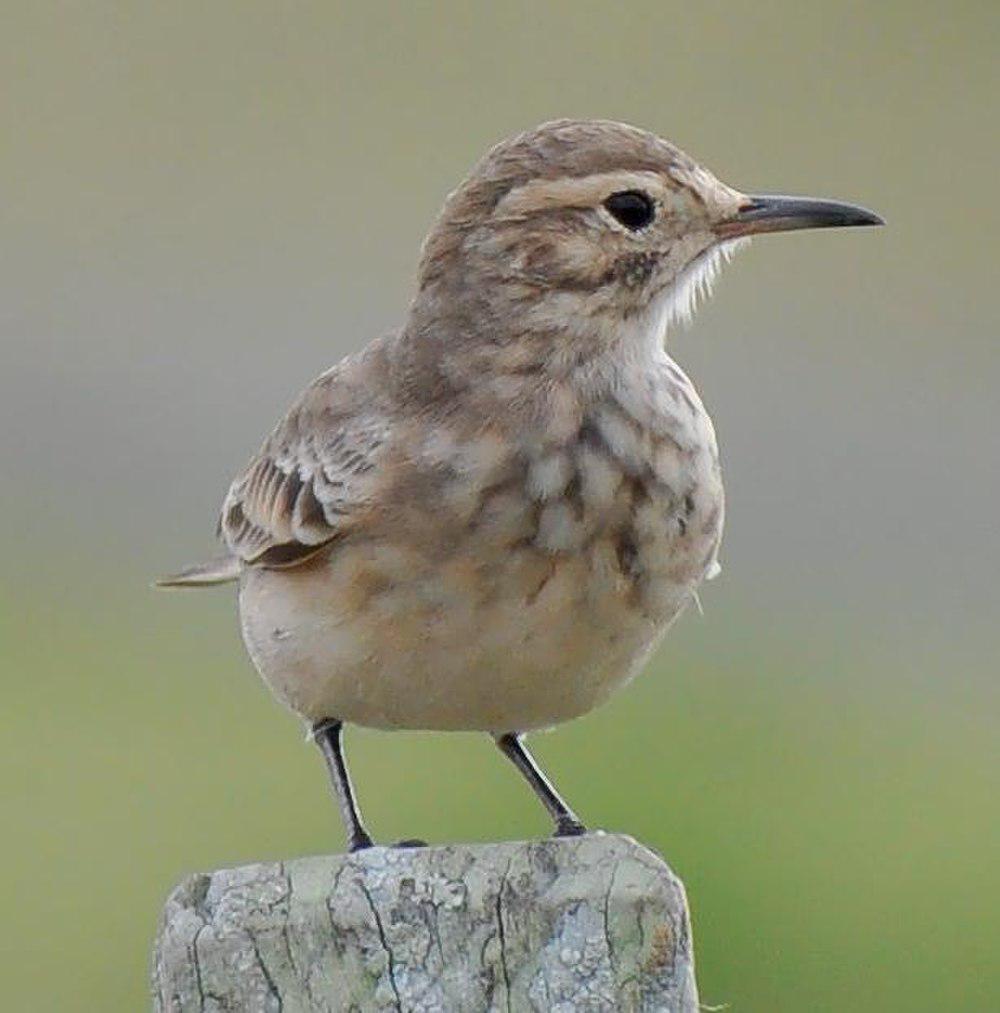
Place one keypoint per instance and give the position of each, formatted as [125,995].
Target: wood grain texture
[592,923]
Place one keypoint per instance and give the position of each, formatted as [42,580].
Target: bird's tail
[221,570]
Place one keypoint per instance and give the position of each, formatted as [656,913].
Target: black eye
[632,208]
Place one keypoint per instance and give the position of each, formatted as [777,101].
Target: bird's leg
[327,734]
[567,823]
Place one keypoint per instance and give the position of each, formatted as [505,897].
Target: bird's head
[579,227]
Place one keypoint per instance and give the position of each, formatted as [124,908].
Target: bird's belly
[490,637]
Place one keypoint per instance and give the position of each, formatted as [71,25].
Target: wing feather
[310,479]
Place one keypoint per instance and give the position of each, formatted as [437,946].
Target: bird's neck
[470,338]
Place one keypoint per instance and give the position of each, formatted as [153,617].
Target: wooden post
[589,923]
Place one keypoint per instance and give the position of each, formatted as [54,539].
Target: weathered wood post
[590,923]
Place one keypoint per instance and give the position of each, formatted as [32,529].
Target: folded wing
[305,486]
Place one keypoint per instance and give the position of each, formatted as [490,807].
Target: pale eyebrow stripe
[573,191]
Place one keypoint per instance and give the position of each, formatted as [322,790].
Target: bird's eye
[632,208]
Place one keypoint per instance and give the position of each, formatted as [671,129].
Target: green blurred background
[203,205]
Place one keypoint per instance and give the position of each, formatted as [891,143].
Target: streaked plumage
[488,519]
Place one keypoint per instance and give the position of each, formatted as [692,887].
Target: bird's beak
[769,213]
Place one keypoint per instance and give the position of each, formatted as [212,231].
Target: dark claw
[410,842]
[569,828]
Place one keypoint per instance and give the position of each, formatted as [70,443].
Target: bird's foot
[567,826]
[359,841]
[410,842]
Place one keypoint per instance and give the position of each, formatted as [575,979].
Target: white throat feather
[677,303]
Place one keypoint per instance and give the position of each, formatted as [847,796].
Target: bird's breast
[626,485]
[502,583]
[637,490]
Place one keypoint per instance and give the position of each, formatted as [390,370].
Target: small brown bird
[488,519]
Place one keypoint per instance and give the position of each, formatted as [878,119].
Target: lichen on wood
[592,923]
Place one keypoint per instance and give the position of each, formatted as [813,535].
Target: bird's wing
[312,477]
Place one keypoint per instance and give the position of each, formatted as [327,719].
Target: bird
[487,519]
